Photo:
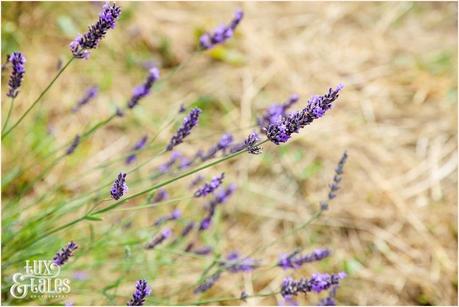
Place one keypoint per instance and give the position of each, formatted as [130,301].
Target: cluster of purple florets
[221,33]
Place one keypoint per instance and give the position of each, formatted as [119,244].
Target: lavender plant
[276,125]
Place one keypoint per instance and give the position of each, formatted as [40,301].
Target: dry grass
[393,226]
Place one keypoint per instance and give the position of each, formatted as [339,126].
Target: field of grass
[392,227]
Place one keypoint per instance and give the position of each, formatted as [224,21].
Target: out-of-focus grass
[393,227]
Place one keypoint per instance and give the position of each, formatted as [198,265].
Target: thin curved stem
[38,99]
[9,114]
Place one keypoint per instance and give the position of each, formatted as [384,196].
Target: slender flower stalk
[334,186]
[88,96]
[17,60]
[81,45]
[188,123]
[221,33]
[142,290]
[119,186]
[281,130]
[210,187]
[73,145]
[143,90]
[65,253]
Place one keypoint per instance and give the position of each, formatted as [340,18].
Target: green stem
[38,99]
[228,299]
[9,114]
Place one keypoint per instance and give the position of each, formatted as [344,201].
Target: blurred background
[393,225]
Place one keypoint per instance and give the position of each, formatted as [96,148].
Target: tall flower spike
[91,39]
[208,188]
[65,253]
[188,123]
[318,283]
[208,283]
[294,260]
[144,89]
[334,186]
[221,33]
[74,145]
[119,186]
[166,233]
[142,290]
[281,130]
[88,96]
[17,59]
[220,198]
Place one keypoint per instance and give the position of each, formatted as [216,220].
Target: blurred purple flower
[144,89]
[175,215]
[92,38]
[90,94]
[119,187]
[334,186]
[318,283]
[65,253]
[196,181]
[235,264]
[166,233]
[208,283]
[17,60]
[208,188]
[186,230]
[74,145]
[221,33]
[205,250]
[160,196]
[142,290]
[138,146]
[224,142]
[294,260]
[220,198]
[164,168]
[188,123]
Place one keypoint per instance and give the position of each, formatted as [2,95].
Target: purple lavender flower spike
[164,168]
[144,89]
[202,251]
[74,145]
[250,144]
[65,253]
[175,215]
[221,33]
[208,188]
[160,196]
[208,283]
[119,187]
[318,283]
[138,146]
[220,198]
[330,299]
[166,233]
[17,59]
[91,39]
[294,260]
[188,123]
[334,186]
[276,112]
[88,96]
[281,130]
[142,290]
[187,229]
[234,264]
[224,142]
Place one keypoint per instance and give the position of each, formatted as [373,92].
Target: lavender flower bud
[65,253]
[188,123]
[202,251]
[220,198]
[210,187]
[334,186]
[92,38]
[160,196]
[221,33]
[119,187]
[187,229]
[281,130]
[172,217]
[182,109]
[294,261]
[164,168]
[166,233]
[235,264]
[142,290]
[144,89]
[196,181]
[74,145]
[17,59]
[88,96]
[138,146]
[250,144]
[208,283]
